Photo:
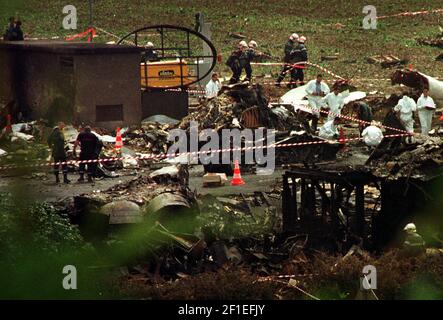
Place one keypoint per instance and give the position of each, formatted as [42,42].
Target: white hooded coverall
[425,114]
[334,103]
[406,106]
[316,102]
[328,130]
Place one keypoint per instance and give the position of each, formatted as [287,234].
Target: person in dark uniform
[149,55]
[17,32]
[251,54]
[300,55]
[56,142]
[364,112]
[89,143]
[233,63]
[9,29]
[290,50]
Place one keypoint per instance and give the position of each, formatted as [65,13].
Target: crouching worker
[372,135]
[414,244]
[56,142]
[329,130]
[364,113]
[89,144]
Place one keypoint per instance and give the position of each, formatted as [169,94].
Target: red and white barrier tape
[166,155]
[298,64]
[309,108]
[90,32]
[325,70]
[409,14]
[114,36]
[187,90]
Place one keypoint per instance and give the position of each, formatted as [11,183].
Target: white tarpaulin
[297,98]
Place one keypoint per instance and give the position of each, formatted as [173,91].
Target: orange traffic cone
[441,117]
[118,140]
[237,179]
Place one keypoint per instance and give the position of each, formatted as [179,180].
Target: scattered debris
[329,58]
[418,81]
[387,61]
[214,179]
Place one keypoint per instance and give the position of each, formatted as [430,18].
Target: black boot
[82,178]
[65,178]
[90,179]
[57,179]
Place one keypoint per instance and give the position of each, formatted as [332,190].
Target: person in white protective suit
[213,86]
[426,109]
[334,101]
[406,107]
[316,90]
[329,130]
[372,135]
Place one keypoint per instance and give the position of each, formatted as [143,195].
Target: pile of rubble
[420,160]
[227,111]
[145,198]
[23,142]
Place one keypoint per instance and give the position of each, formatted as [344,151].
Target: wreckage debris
[434,42]
[387,61]
[164,196]
[418,81]
[423,159]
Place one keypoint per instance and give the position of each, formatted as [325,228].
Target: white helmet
[149,45]
[243,44]
[252,44]
[302,39]
[294,37]
[410,228]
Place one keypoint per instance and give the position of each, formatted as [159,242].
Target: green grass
[268,22]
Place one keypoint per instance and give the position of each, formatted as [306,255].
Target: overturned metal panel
[122,212]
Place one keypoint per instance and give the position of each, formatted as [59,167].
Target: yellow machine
[165,74]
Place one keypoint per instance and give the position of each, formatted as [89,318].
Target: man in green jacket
[56,142]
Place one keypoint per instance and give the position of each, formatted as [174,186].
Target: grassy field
[331,27]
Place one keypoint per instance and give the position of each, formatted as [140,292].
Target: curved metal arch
[159,29]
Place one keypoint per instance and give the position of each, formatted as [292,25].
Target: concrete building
[90,83]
